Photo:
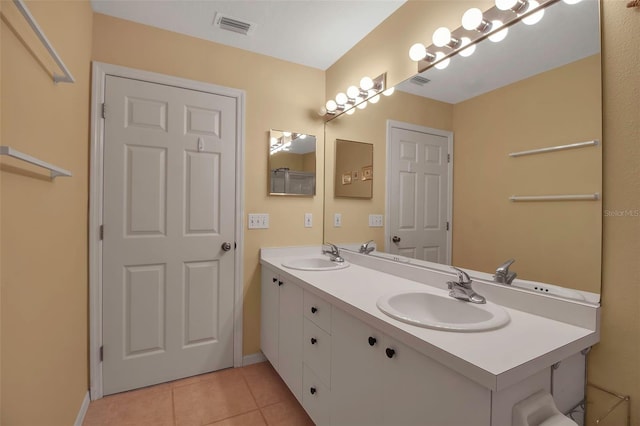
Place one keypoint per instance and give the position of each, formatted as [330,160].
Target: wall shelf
[554,148]
[55,171]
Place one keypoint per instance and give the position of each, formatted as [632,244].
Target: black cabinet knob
[372,341]
[275,280]
[313,340]
[280,282]
[313,391]
[314,309]
[390,352]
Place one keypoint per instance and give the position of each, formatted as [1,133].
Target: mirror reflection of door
[292,163]
[419,207]
[354,169]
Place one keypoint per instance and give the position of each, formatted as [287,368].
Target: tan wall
[615,362]
[279,95]
[44,374]
[309,162]
[286,159]
[370,126]
[558,107]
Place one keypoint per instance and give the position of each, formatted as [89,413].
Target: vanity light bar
[357,96]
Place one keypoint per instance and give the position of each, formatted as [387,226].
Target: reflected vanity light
[357,96]
[476,26]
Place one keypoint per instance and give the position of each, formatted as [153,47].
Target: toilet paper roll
[539,409]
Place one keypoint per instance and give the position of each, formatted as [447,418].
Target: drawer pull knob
[314,309]
[280,282]
[275,279]
[390,352]
[313,340]
[372,341]
[313,391]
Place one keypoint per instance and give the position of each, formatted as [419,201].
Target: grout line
[173,406]
[246,382]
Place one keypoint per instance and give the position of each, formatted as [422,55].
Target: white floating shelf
[554,148]
[569,197]
[55,171]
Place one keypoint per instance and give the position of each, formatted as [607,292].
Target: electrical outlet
[375,220]
[258,220]
[308,220]
[337,220]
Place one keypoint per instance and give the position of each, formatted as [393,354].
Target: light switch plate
[337,220]
[258,220]
[375,221]
[308,220]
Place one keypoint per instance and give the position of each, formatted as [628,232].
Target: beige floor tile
[265,384]
[253,418]
[286,413]
[217,397]
[142,407]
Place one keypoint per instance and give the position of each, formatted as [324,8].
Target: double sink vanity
[371,341]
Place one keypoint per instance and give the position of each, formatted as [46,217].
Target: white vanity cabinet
[282,328]
[376,380]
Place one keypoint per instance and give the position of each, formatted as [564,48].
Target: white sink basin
[314,264]
[442,312]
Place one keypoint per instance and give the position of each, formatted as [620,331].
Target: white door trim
[391,124]
[99,74]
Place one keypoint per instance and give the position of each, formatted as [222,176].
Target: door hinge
[448,155]
[447,226]
[104,110]
[101,353]
[101,232]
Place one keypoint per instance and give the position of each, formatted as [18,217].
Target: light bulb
[362,105]
[466,51]
[417,52]
[286,134]
[389,91]
[341,98]
[366,83]
[302,136]
[374,99]
[536,17]
[331,105]
[353,92]
[322,111]
[274,141]
[441,36]
[351,111]
[571,1]
[472,19]
[500,35]
[442,65]
[506,4]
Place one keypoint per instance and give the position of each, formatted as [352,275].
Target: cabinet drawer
[317,351]
[315,398]
[318,311]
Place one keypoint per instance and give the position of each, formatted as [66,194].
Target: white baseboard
[253,358]
[83,410]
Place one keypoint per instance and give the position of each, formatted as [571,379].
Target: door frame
[393,124]
[96,184]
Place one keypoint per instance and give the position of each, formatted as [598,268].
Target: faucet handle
[463,277]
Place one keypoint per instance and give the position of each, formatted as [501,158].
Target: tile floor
[248,396]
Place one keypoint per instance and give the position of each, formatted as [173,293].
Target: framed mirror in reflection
[539,88]
[292,163]
[353,177]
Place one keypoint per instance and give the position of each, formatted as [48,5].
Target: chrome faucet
[333,252]
[367,247]
[503,275]
[462,288]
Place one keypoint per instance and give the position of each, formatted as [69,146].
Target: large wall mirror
[538,88]
[292,163]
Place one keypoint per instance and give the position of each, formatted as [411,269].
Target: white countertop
[496,359]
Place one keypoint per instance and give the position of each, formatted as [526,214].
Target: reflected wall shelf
[55,171]
[554,148]
[568,197]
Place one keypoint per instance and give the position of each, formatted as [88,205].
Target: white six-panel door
[418,207]
[169,191]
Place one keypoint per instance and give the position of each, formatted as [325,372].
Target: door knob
[395,239]
[226,246]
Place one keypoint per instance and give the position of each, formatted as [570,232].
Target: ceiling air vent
[233,24]
[419,80]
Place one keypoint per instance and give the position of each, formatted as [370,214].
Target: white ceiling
[315,33]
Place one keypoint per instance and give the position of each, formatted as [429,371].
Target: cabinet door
[356,398]
[416,388]
[290,337]
[269,313]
